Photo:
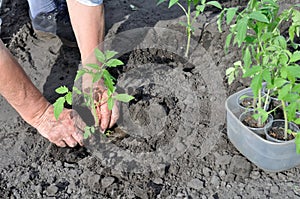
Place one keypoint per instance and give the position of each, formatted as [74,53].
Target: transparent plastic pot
[265,154]
[291,126]
[259,130]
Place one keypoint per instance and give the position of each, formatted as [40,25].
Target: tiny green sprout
[199,6]
[97,72]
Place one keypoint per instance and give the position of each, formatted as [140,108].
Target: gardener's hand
[66,131]
[107,118]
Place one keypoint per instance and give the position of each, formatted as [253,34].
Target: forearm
[18,90]
[88,26]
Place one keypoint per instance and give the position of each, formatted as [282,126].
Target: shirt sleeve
[91,2]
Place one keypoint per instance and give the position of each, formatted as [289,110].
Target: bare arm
[88,25]
[28,101]
[18,90]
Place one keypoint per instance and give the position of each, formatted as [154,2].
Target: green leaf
[247,58]
[228,41]
[123,97]
[68,98]
[241,27]
[267,76]
[284,91]
[256,15]
[252,71]
[231,12]
[297,121]
[62,90]
[94,66]
[295,57]
[110,103]
[200,8]
[215,3]
[99,55]
[108,81]
[220,19]
[278,82]
[114,63]
[110,54]
[172,2]
[229,70]
[87,132]
[256,84]
[79,74]
[195,2]
[97,77]
[58,107]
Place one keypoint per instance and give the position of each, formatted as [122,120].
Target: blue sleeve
[91,2]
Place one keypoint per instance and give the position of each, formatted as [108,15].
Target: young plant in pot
[98,73]
[256,30]
[252,30]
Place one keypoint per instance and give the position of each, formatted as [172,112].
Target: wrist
[38,116]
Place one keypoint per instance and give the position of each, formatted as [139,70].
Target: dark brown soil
[278,133]
[180,149]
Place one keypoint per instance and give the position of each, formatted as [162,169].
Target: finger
[105,114]
[60,144]
[79,125]
[70,141]
[114,114]
[78,136]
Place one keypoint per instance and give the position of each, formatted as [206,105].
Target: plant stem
[285,119]
[94,112]
[188,30]
[259,105]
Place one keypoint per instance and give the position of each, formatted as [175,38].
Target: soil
[278,133]
[251,122]
[176,146]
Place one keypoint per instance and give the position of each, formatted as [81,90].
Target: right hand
[66,131]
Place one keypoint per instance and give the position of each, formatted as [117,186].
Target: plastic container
[267,155]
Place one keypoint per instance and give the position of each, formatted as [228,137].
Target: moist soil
[178,107]
[278,133]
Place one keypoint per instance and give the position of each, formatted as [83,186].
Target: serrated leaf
[241,27]
[228,41]
[295,57]
[215,3]
[114,63]
[284,91]
[247,58]
[231,12]
[110,103]
[94,66]
[267,76]
[62,90]
[123,97]
[108,80]
[256,15]
[58,107]
[172,2]
[100,56]
[256,84]
[110,54]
